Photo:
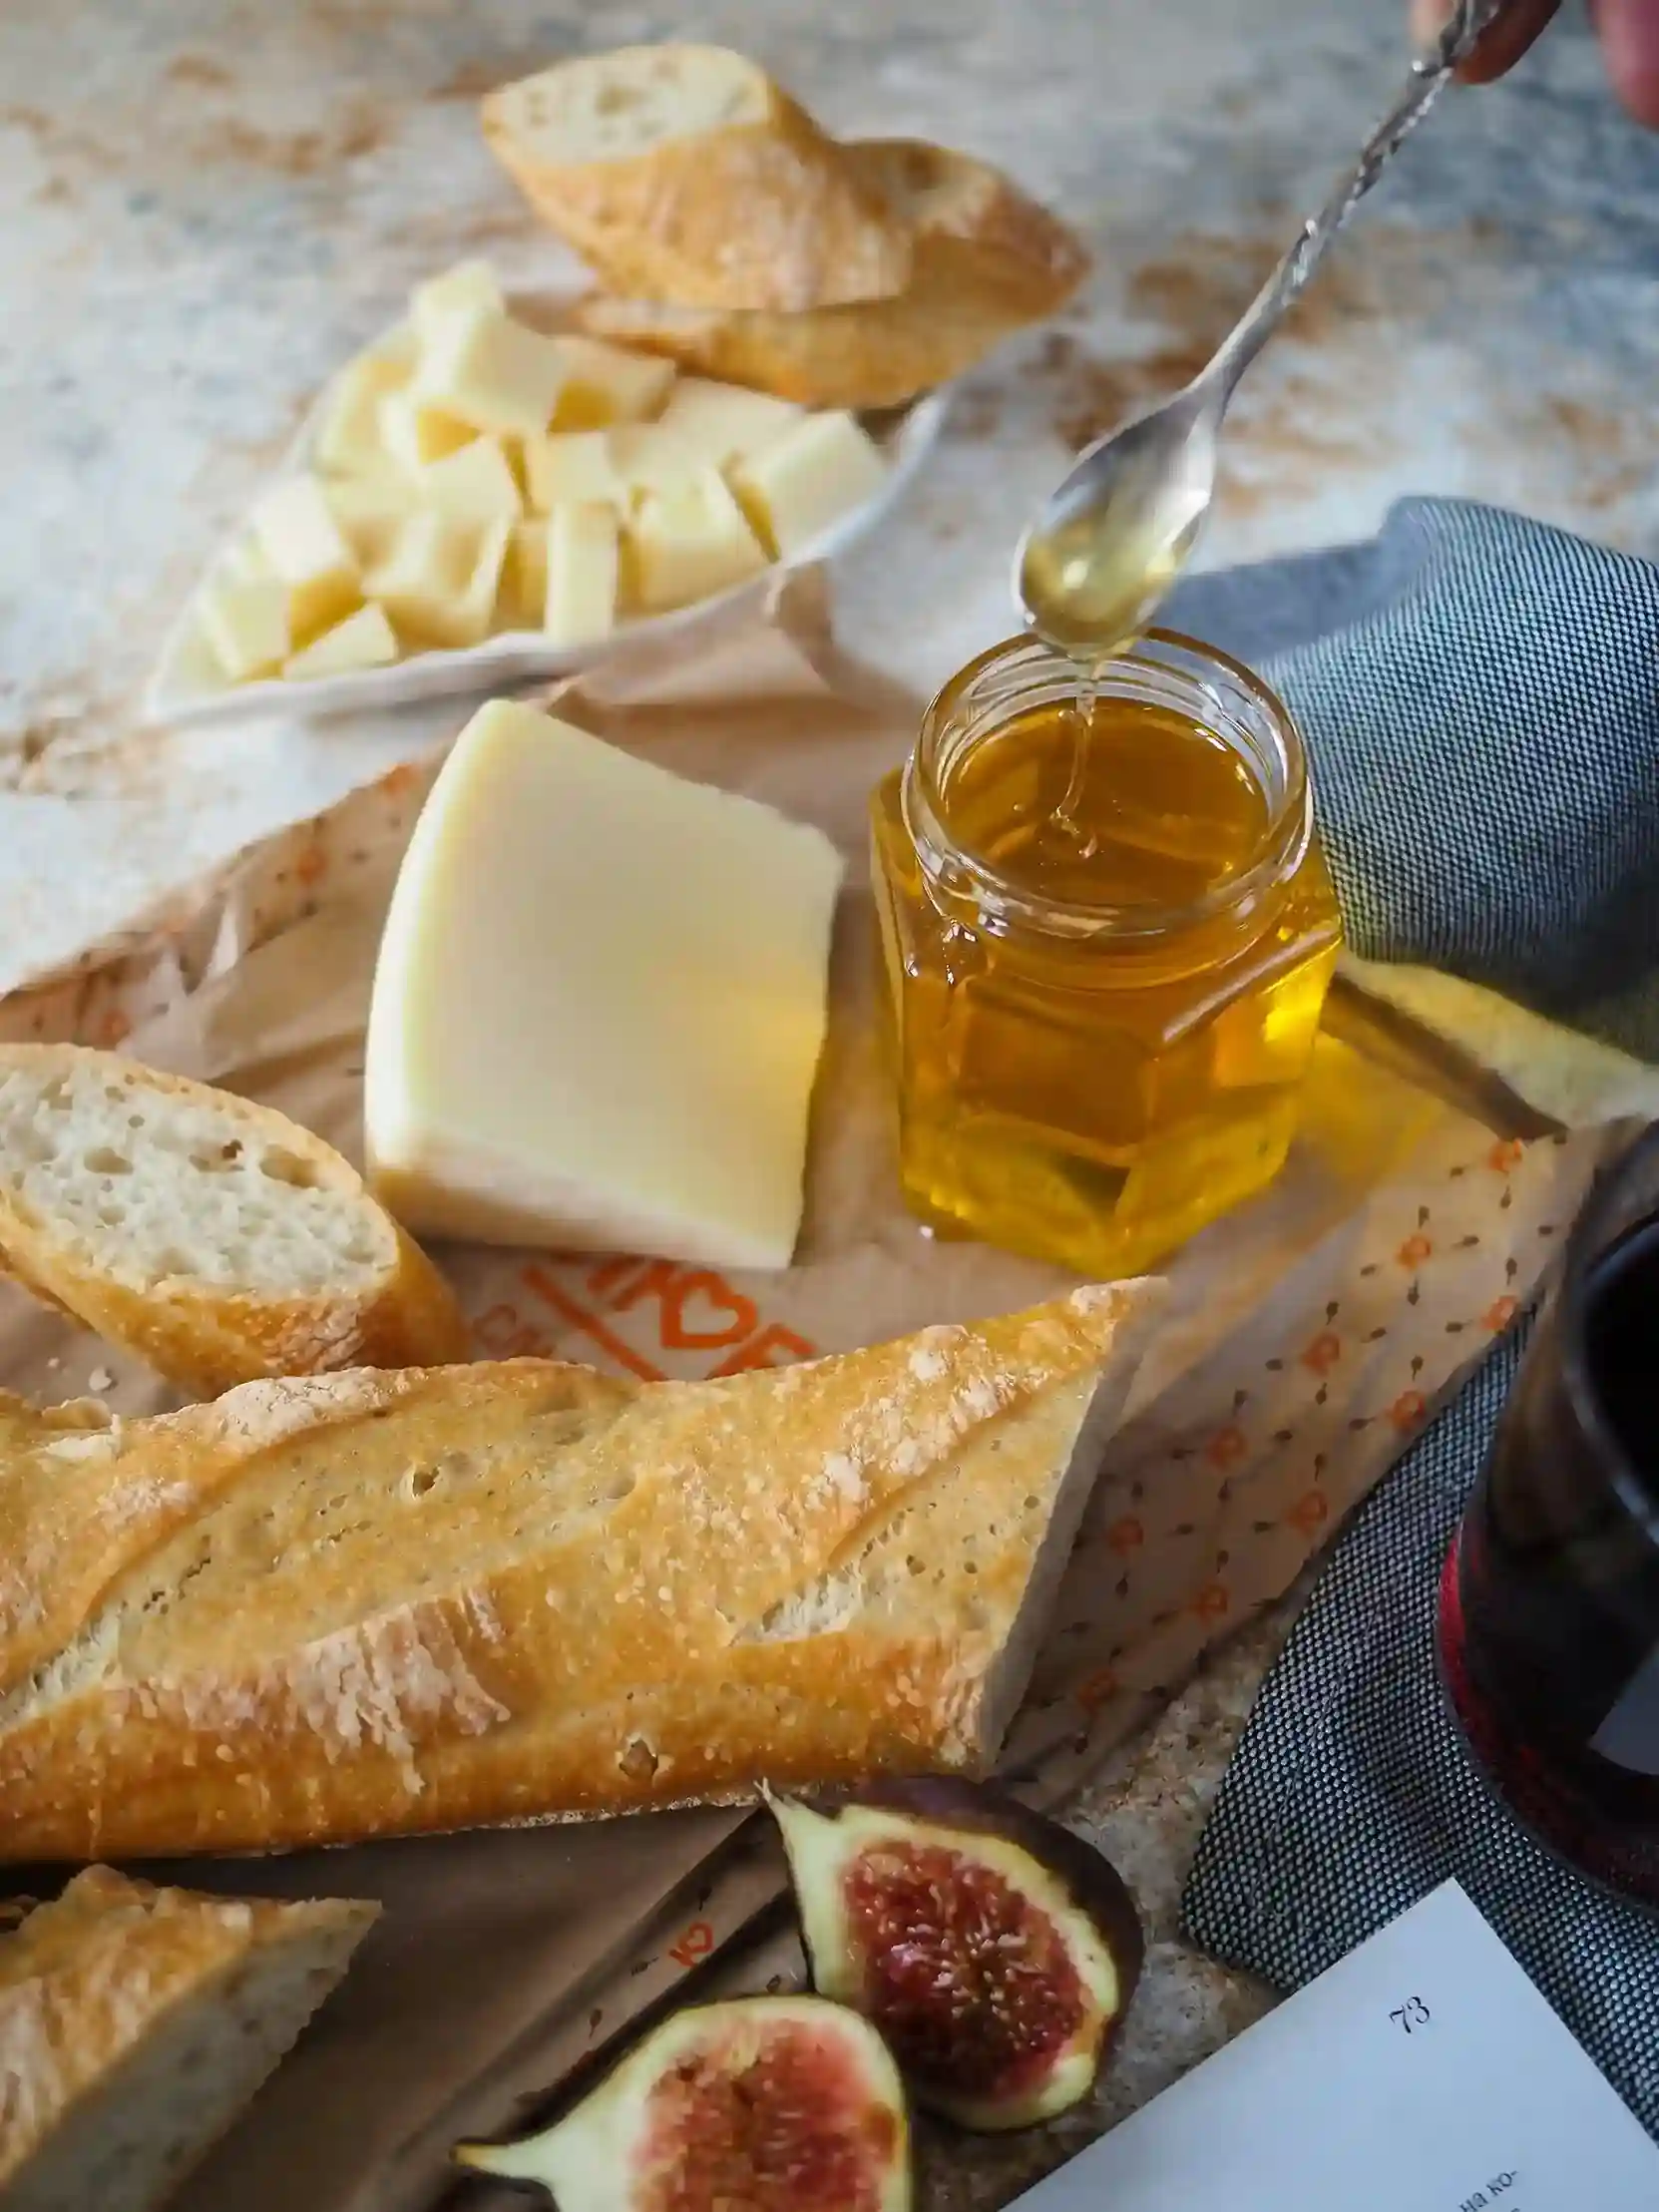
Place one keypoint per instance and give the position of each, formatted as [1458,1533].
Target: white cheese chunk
[725,421]
[414,434]
[582,573]
[441,579]
[484,368]
[523,581]
[370,511]
[605,384]
[795,487]
[571,464]
[473,484]
[243,561]
[309,552]
[690,543]
[648,458]
[245,625]
[467,288]
[365,640]
[349,441]
[598,1005]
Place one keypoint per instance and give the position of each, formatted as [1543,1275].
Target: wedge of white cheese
[600,1005]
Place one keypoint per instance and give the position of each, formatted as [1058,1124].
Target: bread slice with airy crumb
[137,2022]
[684,172]
[213,1238]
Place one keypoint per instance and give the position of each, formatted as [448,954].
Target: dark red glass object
[1549,1601]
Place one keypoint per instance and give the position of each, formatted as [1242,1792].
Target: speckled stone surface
[209,202]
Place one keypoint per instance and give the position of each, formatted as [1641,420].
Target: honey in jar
[1108,930]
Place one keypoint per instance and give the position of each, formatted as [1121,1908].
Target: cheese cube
[794,488]
[598,1005]
[414,434]
[605,385]
[524,582]
[309,552]
[725,421]
[244,562]
[473,484]
[464,290]
[648,458]
[572,464]
[425,575]
[349,441]
[690,543]
[245,625]
[583,554]
[370,511]
[484,368]
[365,640]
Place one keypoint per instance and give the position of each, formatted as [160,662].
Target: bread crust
[755,214]
[204,1338]
[372,1604]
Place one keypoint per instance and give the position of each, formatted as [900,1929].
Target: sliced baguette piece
[137,2022]
[212,1237]
[685,173]
[988,261]
[368,1604]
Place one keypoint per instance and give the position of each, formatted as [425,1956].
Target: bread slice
[987,262]
[135,2026]
[213,1238]
[684,172]
[369,1604]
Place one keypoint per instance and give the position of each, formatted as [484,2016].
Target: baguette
[135,2026]
[685,173]
[987,262]
[369,1604]
[210,1236]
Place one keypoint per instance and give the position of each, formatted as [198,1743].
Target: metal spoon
[1109,543]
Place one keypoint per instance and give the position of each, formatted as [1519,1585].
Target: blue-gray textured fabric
[1480,697]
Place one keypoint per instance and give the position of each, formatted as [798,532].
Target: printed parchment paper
[1310,1335]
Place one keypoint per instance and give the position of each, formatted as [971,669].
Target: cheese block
[583,559]
[485,369]
[571,464]
[349,439]
[308,549]
[725,421]
[365,640]
[245,625]
[413,432]
[795,487]
[605,384]
[691,542]
[647,457]
[598,1005]
[370,510]
[473,484]
[243,561]
[467,288]
[440,582]
[523,578]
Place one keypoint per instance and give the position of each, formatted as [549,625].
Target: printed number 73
[1413,2014]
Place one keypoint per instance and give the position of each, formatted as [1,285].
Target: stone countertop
[209,202]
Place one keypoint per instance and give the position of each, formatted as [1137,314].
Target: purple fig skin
[940,1805]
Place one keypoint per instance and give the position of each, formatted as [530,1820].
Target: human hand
[1628,31]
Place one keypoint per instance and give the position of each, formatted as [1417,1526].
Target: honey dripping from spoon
[1064,818]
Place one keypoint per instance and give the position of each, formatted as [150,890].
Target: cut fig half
[770,2104]
[996,1952]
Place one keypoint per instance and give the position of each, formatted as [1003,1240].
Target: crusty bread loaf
[135,2026]
[212,1236]
[367,1604]
[684,172]
[987,262]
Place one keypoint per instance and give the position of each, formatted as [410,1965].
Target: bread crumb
[100,1378]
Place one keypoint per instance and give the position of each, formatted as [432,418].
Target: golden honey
[1108,930]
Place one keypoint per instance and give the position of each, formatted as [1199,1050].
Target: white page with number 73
[1423,2073]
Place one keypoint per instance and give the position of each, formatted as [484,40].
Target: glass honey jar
[1107,929]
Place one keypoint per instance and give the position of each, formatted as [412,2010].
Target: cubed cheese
[605,385]
[349,440]
[691,543]
[524,582]
[365,640]
[583,559]
[484,368]
[725,421]
[598,1005]
[467,288]
[473,484]
[648,458]
[309,552]
[415,433]
[423,579]
[370,511]
[571,464]
[794,488]
[243,561]
[245,625]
